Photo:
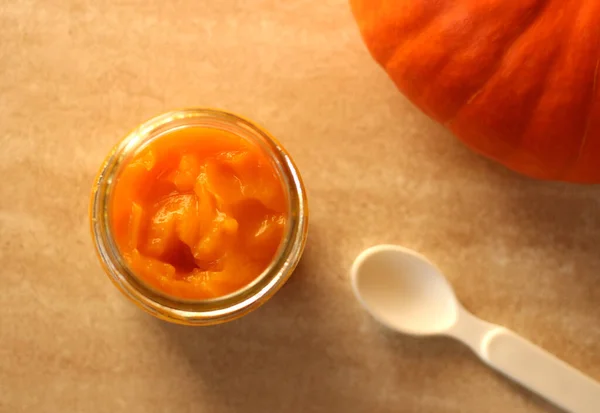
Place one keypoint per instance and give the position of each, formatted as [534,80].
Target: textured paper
[76,75]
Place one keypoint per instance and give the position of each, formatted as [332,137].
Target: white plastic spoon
[406,292]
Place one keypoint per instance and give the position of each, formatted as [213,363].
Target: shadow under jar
[193,311]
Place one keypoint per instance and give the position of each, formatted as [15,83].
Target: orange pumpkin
[516,80]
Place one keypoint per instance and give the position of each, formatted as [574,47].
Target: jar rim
[219,309]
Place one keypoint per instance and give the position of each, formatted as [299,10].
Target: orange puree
[198,212]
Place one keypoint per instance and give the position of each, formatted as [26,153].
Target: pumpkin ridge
[368,27]
[385,60]
[515,158]
[588,120]
[535,15]
[510,155]
[560,51]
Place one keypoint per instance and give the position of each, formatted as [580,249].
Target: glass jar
[215,310]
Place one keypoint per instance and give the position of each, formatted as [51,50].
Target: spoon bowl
[404,290]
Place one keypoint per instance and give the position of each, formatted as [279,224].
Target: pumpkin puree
[198,212]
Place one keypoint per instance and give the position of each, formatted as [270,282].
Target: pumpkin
[516,80]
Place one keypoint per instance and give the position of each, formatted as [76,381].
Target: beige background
[75,78]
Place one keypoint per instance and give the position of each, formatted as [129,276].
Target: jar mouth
[219,309]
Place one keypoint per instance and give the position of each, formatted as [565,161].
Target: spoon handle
[529,365]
